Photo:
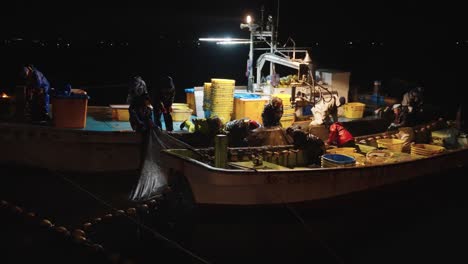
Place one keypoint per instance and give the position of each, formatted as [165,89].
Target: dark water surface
[417,221]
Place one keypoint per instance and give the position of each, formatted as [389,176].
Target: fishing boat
[245,181]
[101,147]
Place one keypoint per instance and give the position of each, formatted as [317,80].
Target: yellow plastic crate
[354,110]
[190,100]
[120,112]
[179,115]
[250,108]
[287,120]
[69,112]
[426,149]
[391,144]
[180,106]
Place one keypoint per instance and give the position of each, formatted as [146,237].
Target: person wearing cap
[163,99]
[239,129]
[136,87]
[401,117]
[37,93]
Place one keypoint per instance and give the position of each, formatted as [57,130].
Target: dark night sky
[389,20]
[419,37]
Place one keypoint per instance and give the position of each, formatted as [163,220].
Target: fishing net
[152,180]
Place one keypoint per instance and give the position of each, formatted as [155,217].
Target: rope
[155,233]
[309,230]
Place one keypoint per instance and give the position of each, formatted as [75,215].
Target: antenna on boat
[262,10]
[277,25]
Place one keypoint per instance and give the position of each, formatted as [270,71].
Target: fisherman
[140,113]
[323,109]
[272,112]
[339,136]
[413,99]
[400,117]
[204,128]
[37,93]
[136,87]
[239,129]
[386,113]
[163,99]
[313,146]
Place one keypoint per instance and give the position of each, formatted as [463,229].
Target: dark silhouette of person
[272,112]
[163,99]
[313,146]
[136,87]
[239,129]
[37,93]
[140,113]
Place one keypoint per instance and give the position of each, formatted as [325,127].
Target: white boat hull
[211,185]
[70,150]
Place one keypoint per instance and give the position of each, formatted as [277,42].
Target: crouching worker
[205,129]
[238,130]
[273,112]
[400,117]
[313,146]
[339,136]
[325,108]
[37,92]
[140,111]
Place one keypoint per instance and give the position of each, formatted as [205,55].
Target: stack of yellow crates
[222,98]
[288,111]
[207,98]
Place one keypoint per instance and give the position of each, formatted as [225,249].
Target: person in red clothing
[340,136]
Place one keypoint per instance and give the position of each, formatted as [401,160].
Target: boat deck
[100,119]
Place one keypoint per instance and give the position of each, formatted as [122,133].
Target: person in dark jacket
[37,93]
[401,114]
[163,99]
[140,114]
[313,146]
[272,112]
[238,130]
[136,87]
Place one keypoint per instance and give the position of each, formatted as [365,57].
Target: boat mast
[256,34]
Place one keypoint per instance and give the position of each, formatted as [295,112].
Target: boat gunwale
[262,171]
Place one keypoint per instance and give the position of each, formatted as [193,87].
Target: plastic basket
[426,149]
[339,159]
[70,112]
[354,110]
[391,144]
[180,106]
[120,112]
[343,150]
[179,115]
